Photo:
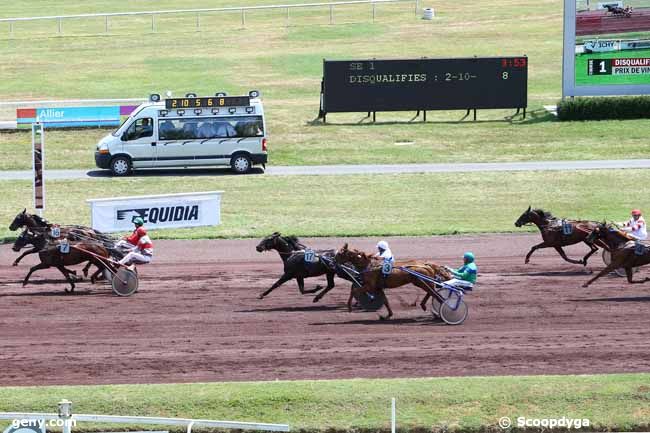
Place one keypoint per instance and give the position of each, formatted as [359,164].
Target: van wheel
[121,166]
[241,163]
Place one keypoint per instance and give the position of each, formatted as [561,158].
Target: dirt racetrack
[197,318]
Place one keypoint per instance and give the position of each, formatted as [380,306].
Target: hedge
[601,108]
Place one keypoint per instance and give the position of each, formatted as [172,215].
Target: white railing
[241,9]
[65,102]
[133,420]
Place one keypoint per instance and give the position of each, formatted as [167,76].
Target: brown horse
[558,233]
[52,257]
[373,280]
[42,228]
[626,253]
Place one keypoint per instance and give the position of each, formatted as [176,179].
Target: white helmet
[382,245]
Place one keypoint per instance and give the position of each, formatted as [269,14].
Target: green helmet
[138,221]
[469,256]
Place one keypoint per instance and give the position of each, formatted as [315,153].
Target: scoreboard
[424,84]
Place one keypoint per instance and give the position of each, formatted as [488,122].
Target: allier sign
[158,211]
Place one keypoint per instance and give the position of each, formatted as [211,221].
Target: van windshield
[135,112]
[202,128]
[114,133]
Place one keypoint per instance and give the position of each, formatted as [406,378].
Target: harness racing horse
[373,280]
[558,233]
[52,257]
[292,253]
[42,227]
[626,253]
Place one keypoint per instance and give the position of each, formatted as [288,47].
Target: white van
[188,132]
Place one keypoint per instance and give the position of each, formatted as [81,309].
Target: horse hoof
[260,297]
[584,286]
[14,264]
[384,318]
[316,299]
[424,307]
[319,287]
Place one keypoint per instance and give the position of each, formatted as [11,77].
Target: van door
[139,142]
[176,141]
[240,133]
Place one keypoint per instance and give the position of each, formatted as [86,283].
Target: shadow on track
[624,299]
[422,321]
[295,309]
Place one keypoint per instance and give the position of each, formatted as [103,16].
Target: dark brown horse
[558,233]
[52,257]
[43,229]
[292,253]
[626,253]
[374,282]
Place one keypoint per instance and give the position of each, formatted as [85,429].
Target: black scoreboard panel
[425,84]
[208,102]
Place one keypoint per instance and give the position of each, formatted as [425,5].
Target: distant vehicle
[188,132]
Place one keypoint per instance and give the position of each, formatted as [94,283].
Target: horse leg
[423,304]
[564,256]
[605,271]
[630,272]
[34,269]
[32,251]
[86,268]
[532,250]
[330,286]
[589,254]
[390,312]
[301,286]
[283,279]
[66,274]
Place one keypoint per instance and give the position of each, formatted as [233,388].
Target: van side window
[211,127]
[140,128]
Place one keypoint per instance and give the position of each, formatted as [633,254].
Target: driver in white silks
[635,226]
[139,244]
[386,255]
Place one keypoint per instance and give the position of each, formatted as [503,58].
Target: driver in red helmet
[635,227]
[139,243]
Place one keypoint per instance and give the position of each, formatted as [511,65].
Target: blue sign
[71,117]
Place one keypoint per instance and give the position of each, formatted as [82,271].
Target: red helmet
[635,212]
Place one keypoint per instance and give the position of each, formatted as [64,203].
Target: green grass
[285,63]
[363,205]
[471,404]
[583,79]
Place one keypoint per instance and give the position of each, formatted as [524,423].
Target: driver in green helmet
[139,244]
[465,276]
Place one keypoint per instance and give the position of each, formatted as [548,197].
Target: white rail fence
[242,10]
[188,424]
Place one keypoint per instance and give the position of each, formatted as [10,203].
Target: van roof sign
[208,102]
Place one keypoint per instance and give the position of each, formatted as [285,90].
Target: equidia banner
[158,211]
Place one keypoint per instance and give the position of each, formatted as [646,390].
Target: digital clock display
[514,62]
[208,102]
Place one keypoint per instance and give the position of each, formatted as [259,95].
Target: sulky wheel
[454,310]
[607,259]
[125,282]
[435,303]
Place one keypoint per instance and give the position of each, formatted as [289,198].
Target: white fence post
[393,421]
